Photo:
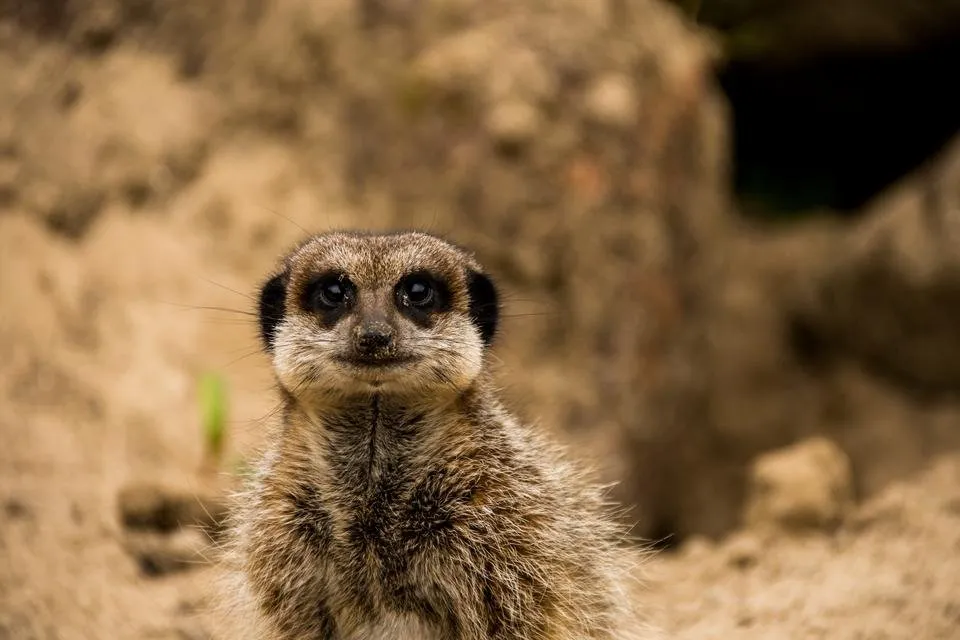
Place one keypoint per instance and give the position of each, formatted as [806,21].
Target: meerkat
[399,499]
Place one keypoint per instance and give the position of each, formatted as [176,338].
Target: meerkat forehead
[379,259]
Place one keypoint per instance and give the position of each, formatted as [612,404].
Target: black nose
[373,338]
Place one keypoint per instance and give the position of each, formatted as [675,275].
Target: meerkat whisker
[226,288]
[287,218]
[190,307]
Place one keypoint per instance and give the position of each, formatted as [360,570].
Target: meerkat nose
[373,337]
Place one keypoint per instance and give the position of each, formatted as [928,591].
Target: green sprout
[213,409]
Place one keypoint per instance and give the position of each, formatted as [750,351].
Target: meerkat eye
[329,292]
[417,291]
[332,294]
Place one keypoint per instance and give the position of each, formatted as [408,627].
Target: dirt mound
[904,249]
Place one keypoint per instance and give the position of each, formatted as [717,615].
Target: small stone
[513,123]
[805,487]
[696,547]
[154,507]
[457,62]
[145,506]
[612,101]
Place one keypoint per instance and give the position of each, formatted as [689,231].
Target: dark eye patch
[420,295]
[271,308]
[330,296]
[484,304]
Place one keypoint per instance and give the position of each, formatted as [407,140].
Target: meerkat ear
[484,304]
[271,307]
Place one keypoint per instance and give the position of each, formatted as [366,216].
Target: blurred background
[728,232]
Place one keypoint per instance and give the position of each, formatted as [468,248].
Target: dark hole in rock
[832,132]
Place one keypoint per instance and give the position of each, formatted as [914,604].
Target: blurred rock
[161,508]
[612,100]
[159,555]
[805,487]
[891,299]
[513,124]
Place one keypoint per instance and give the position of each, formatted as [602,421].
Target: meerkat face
[355,313]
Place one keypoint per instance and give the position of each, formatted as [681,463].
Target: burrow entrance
[832,132]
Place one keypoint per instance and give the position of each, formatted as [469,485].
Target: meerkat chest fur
[398,499]
[393,479]
[389,495]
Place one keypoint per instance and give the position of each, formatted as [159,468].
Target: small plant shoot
[213,408]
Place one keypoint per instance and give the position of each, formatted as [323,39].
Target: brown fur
[407,502]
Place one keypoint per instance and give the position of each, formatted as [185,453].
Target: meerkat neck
[335,411]
[350,412]
[367,439]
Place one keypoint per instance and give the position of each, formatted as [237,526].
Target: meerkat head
[351,313]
